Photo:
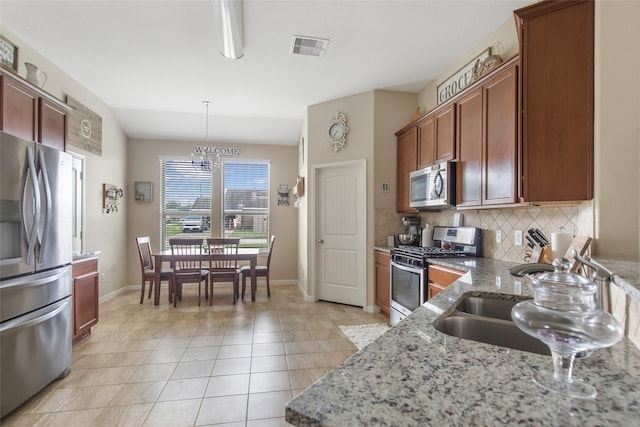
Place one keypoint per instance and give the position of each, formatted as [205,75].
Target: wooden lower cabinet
[383,281]
[85,297]
[440,277]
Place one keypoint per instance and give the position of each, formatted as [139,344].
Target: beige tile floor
[194,366]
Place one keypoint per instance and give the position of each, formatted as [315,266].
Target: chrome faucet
[600,275]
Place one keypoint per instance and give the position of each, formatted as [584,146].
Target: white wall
[104,232]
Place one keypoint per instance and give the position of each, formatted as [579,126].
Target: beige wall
[143,164]
[373,118]
[104,232]
[617,130]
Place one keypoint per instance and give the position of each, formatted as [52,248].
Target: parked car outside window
[192,224]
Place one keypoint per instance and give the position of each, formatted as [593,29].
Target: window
[187,208]
[246,203]
[185,200]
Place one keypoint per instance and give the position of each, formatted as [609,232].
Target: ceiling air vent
[301,45]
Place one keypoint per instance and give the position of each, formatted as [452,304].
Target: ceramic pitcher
[35,75]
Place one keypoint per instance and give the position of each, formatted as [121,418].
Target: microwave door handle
[32,179]
[47,196]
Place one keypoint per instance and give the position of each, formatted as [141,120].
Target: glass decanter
[563,316]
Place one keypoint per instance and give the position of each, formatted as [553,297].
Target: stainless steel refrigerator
[35,268]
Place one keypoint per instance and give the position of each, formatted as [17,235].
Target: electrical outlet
[517,238]
[102,277]
[499,236]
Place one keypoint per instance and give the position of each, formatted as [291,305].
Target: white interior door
[341,233]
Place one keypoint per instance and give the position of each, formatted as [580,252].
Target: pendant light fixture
[201,156]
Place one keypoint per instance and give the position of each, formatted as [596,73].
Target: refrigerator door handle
[32,233]
[33,318]
[47,195]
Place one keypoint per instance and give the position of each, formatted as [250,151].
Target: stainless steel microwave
[433,186]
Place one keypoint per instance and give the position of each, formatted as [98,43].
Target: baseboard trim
[111,295]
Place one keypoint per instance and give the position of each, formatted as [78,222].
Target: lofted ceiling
[153,62]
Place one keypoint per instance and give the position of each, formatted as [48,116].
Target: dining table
[244,254]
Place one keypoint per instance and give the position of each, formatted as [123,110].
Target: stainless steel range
[409,266]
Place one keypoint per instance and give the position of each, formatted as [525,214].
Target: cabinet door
[406,162]
[557,57]
[433,289]
[85,297]
[443,276]
[52,127]
[19,109]
[500,153]
[469,168]
[445,135]
[383,282]
[426,141]
[85,303]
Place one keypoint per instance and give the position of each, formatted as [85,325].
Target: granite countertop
[414,375]
[85,255]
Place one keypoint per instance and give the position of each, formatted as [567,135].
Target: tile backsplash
[577,219]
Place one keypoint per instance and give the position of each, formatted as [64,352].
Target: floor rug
[362,335]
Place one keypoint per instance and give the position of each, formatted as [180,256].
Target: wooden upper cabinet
[501,138]
[426,141]
[30,113]
[557,65]
[19,109]
[487,138]
[52,129]
[436,136]
[445,144]
[407,153]
[469,168]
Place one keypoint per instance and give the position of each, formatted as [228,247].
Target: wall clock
[337,131]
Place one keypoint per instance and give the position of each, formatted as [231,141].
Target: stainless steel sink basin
[486,318]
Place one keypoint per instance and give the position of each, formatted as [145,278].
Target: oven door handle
[410,268]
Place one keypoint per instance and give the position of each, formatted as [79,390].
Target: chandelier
[202,156]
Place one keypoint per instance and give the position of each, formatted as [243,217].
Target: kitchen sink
[486,318]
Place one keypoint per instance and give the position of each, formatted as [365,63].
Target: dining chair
[261,270]
[148,272]
[188,270]
[224,269]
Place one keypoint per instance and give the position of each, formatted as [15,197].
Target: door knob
[320,241]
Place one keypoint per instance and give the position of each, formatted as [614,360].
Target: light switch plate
[499,236]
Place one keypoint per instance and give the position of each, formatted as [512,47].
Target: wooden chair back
[185,246]
[271,244]
[223,246]
[144,250]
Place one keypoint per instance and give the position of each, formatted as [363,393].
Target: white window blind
[185,200]
[187,206]
[246,203]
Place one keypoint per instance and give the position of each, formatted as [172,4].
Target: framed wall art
[8,54]
[143,191]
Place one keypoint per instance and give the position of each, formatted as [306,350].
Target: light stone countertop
[414,375]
